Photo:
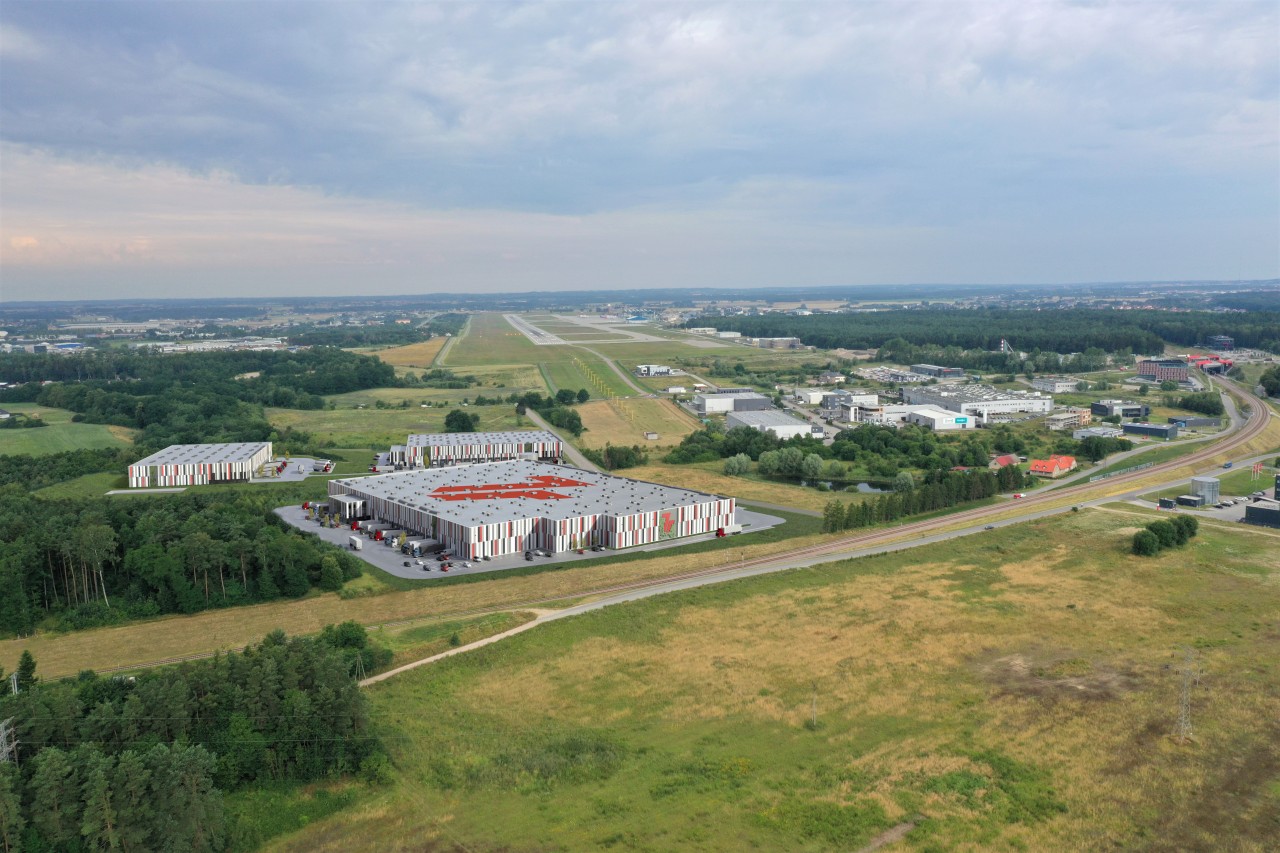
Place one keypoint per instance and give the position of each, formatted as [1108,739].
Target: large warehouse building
[498,508]
[779,424]
[432,450]
[980,400]
[199,464]
[731,401]
[1163,369]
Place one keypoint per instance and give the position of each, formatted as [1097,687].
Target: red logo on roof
[538,488]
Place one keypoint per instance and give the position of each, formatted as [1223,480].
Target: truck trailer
[355,543]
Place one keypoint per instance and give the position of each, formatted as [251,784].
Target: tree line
[940,490]
[77,564]
[555,408]
[141,763]
[387,333]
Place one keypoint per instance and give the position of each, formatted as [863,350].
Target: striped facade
[512,531]
[433,450]
[198,465]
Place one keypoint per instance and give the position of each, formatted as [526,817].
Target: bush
[736,466]
[1165,532]
[1146,543]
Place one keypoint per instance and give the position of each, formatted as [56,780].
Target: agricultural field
[1005,691]
[624,422]
[60,435]
[381,428]
[412,355]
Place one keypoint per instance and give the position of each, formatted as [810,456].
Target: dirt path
[888,837]
[572,452]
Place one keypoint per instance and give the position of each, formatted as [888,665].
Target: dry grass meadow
[1006,692]
[707,477]
[413,355]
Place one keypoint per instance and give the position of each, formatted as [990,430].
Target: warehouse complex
[731,401]
[432,450]
[980,400]
[492,509]
[199,464]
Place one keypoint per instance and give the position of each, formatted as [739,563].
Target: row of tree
[614,457]
[141,763]
[555,408]
[941,489]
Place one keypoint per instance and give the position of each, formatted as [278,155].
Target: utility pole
[8,742]
[1190,677]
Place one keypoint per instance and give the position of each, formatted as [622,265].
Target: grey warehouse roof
[599,493]
[767,419]
[205,454]
[457,439]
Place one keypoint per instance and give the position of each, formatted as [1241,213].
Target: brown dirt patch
[1057,675]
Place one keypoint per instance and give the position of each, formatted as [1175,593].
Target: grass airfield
[1007,691]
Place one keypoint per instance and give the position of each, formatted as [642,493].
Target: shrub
[1165,532]
[1146,543]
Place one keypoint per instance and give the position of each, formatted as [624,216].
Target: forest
[140,763]
[1059,331]
[388,333]
[67,565]
[940,490]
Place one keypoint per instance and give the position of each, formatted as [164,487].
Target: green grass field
[584,370]
[370,427]
[60,435]
[1006,691]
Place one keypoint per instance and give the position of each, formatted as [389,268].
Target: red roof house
[1053,467]
[1002,461]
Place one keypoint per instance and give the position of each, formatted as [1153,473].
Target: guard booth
[348,507]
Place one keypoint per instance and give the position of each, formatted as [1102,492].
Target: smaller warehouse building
[656,370]
[1165,431]
[1264,512]
[938,372]
[939,420]
[776,423]
[432,450]
[1055,384]
[1097,432]
[1187,422]
[199,464]
[732,401]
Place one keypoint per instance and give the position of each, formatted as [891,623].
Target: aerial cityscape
[579,426]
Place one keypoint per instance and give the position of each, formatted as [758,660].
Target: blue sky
[187,148]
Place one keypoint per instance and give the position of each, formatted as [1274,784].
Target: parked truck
[355,543]
[413,547]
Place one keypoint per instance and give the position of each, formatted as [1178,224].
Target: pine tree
[11,819]
[55,800]
[26,671]
[99,821]
[330,573]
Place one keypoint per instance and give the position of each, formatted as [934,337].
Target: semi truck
[355,543]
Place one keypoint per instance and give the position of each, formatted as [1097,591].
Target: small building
[1208,488]
[1191,500]
[1168,503]
[1055,384]
[654,370]
[702,330]
[729,335]
[831,377]
[1165,431]
[1120,408]
[1263,512]
[675,389]
[733,401]
[200,464]
[1163,369]
[1188,422]
[808,396]
[1002,461]
[775,343]
[1053,467]
[779,424]
[1220,342]
[938,372]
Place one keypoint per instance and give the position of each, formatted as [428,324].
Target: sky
[278,148]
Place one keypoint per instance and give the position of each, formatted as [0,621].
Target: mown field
[1009,691]
[412,355]
[583,370]
[626,421]
[380,428]
[60,435]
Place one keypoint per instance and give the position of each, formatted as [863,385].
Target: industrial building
[1191,500]
[1187,422]
[775,343]
[1071,418]
[731,401]
[809,396]
[1220,342]
[1120,408]
[200,464]
[497,508]
[1055,384]
[777,423]
[980,400]
[432,450]
[1163,369]
[1097,432]
[656,370]
[1208,488]
[1165,431]
[939,420]
[937,372]
[1264,512]
[831,377]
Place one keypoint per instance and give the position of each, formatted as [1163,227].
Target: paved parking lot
[390,560]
